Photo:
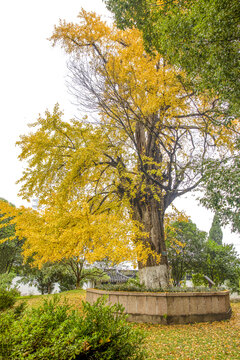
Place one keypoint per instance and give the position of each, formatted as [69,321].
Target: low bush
[56,332]
[7,320]
[199,280]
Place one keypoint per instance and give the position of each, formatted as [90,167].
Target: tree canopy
[220,263]
[186,245]
[190,252]
[221,189]
[201,37]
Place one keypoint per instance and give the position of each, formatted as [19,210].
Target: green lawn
[209,341]
[74,298]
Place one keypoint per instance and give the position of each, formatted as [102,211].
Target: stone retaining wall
[168,308]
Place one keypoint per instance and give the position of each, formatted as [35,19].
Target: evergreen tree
[215,232]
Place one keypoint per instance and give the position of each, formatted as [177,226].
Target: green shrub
[7,319]
[54,332]
[7,298]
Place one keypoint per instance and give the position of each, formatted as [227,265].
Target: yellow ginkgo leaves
[67,229]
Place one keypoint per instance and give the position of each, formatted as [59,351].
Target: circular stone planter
[168,308]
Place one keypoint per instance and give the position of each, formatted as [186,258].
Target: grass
[73,297]
[203,341]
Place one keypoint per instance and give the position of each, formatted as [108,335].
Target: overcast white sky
[32,79]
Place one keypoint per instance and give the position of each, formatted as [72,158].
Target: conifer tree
[215,232]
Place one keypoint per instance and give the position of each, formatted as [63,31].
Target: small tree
[189,251]
[185,248]
[220,263]
[69,274]
[43,278]
[73,272]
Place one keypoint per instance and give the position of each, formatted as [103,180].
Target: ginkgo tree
[146,145]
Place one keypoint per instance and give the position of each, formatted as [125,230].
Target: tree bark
[150,214]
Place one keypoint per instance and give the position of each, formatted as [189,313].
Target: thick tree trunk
[155,277]
[151,215]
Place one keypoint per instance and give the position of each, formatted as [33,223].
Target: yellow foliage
[64,230]
[7,212]
[146,83]
[172,217]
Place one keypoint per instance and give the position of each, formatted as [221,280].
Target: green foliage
[221,189]
[10,250]
[185,244]
[10,255]
[6,280]
[220,263]
[69,274]
[200,36]
[7,298]
[141,288]
[52,331]
[73,273]
[129,12]
[43,278]
[66,280]
[190,253]
[133,284]
[199,280]
[215,232]
[122,287]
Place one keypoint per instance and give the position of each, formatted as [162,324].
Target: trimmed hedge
[140,288]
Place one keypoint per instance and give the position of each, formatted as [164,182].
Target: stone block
[141,305]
